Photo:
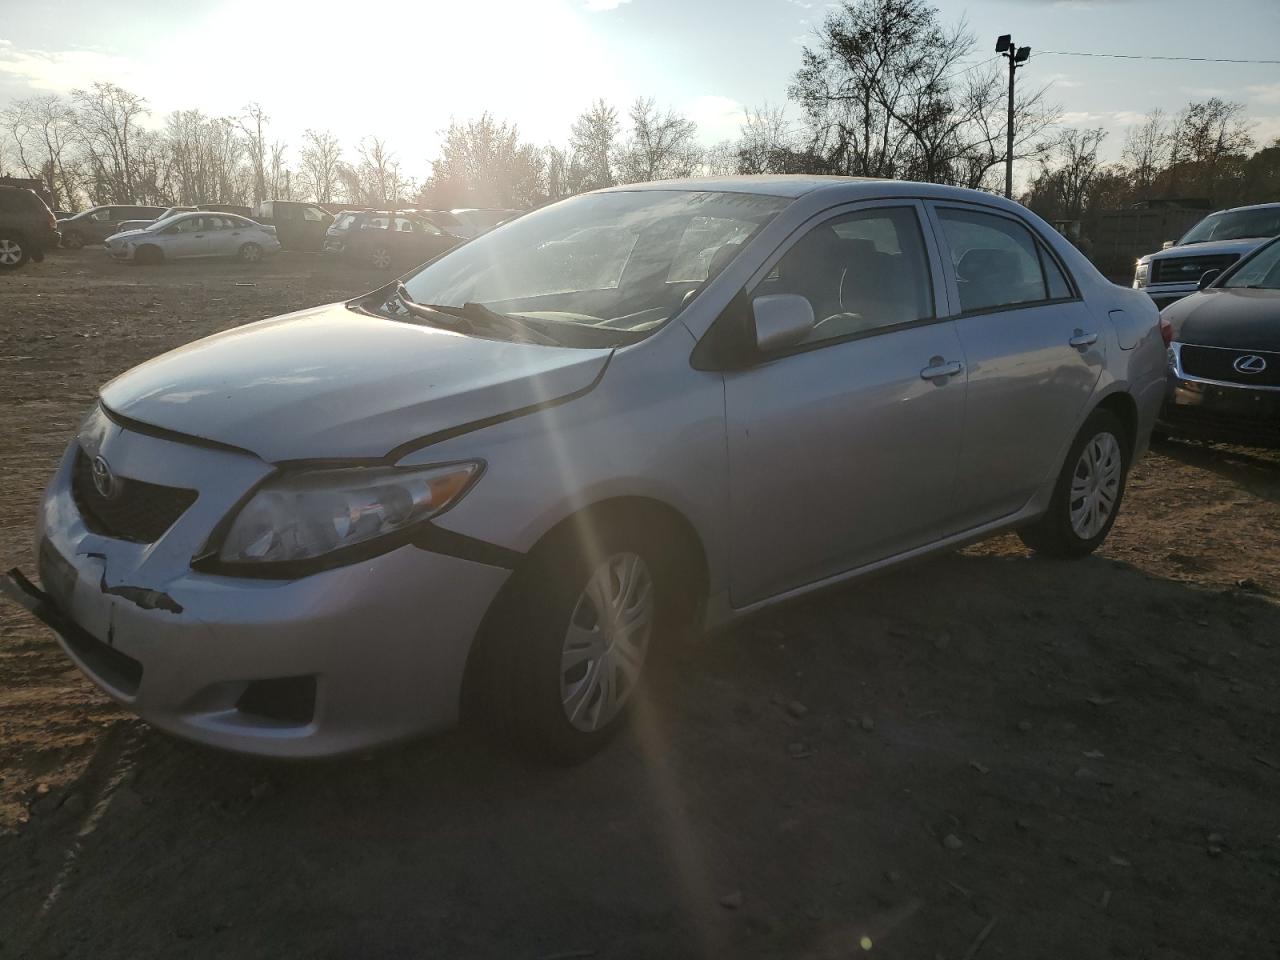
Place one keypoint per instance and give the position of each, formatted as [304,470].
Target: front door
[843,450]
[1034,355]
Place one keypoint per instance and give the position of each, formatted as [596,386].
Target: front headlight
[308,514]
[1140,273]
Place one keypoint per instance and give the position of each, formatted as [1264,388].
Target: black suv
[97,223]
[384,238]
[299,226]
[27,228]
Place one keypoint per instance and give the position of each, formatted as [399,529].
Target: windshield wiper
[473,310]
[474,313]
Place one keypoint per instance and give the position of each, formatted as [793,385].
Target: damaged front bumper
[330,663]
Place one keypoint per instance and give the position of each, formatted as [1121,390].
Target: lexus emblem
[1250,363]
[104,481]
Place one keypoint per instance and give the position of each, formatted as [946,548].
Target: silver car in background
[489,490]
[199,234]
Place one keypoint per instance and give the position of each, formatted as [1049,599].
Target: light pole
[1017,57]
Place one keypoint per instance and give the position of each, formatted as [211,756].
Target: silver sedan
[188,235]
[492,489]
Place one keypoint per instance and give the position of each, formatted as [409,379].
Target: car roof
[835,189]
[1251,206]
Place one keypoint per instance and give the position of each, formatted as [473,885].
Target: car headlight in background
[1140,274]
[307,514]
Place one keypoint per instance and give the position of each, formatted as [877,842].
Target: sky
[404,68]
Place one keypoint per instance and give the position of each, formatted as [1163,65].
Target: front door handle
[939,368]
[1082,339]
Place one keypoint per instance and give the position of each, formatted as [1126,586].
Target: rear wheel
[249,253]
[381,258]
[148,256]
[72,240]
[1088,493]
[13,252]
[565,655]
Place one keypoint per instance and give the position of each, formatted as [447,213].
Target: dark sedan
[385,239]
[1224,361]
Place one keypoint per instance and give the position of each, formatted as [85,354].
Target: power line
[1145,56]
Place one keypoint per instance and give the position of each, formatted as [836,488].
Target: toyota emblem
[104,481]
[1250,363]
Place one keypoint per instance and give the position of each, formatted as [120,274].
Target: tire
[249,253]
[148,256]
[381,258]
[546,681]
[14,251]
[1089,491]
[72,240]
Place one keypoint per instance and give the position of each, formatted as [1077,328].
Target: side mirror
[781,320]
[1166,245]
[1207,278]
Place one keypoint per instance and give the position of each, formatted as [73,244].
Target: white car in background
[195,235]
[127,225]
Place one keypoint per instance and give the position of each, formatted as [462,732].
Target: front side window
[313,214]
[1260,272]
[189,225]
[607,267]
[995,260]
[344,221]
[862,272]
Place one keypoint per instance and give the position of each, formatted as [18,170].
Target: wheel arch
[1122,404]
[582,527]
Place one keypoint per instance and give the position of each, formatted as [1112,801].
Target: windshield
[1235,225]
[610,262]
[1261,271]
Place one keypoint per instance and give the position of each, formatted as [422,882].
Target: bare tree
[1067,177]
[483,163]
[377,176]
[281,182]
[592,139]
[765,135]
[884,94]
[1146,151]
[321,160]
[661,146]
[253,124]
[43,131]
[108,126]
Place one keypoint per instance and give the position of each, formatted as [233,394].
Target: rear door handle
[939,368]
[1082,339]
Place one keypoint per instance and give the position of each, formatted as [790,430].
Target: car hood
[334,382]
[1225,317]
[123,234]
[1207,249]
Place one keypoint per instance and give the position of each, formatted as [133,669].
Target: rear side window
[996,260]
[344,221]
[1055,281]
[313,213]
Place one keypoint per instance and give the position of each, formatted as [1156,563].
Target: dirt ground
[986,754]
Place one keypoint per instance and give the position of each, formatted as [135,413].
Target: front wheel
[148,256]
[381,258]
[249,253]
[1087,496]
[13,253]
[566,655]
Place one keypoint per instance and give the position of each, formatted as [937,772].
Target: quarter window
[1055,280]
[863,272]
[995,260]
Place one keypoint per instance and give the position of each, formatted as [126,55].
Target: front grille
[136,511]
[1188,269]
[1218,363]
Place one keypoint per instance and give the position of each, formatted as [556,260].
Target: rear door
[1034,355]
[843,450]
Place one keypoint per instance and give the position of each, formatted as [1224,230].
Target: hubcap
[1095,485]
[381,259]
[10,252]
[250,252]
[607,641]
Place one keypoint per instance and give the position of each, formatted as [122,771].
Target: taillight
[1166,331]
